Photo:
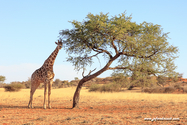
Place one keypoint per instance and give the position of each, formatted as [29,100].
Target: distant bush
[169,89]
[154,90]
[185,89]
[111,87]
[177,86]
[94,87]
[76,78]
[13,87]
[2,85]
[62,84]
[120,79]
[2,79]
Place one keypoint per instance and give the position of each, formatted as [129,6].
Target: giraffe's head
[59,43]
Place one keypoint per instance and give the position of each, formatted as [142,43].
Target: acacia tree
[136,47]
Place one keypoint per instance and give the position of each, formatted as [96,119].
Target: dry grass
[127,107]
[67,93]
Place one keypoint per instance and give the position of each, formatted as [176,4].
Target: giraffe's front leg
[49,93]
[45,89]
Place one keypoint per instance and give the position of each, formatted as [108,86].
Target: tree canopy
[143,47]
[135,46]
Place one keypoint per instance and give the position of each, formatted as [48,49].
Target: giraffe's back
[42,74]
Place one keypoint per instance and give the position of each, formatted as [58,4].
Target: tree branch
[92,56]
[133,55]
[115,48]
[88,73]
[117,67]
[102,51]
[98,50]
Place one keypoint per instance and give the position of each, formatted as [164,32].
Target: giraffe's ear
[56,43]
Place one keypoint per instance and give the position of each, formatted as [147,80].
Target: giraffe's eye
[60,47]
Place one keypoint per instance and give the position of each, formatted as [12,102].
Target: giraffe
[44,75]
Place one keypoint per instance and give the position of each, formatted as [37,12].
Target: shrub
[160,90]
[2,85]
[169,89]
[28,83]
[13,87]
[94,87]
[76,78]
[154,90]
[146,90]
[142,81]
[157,90]
[120,78]
[185,89]
[57,83]
[177,86]
[61,84]
[111,87]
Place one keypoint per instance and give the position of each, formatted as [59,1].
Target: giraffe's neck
[48,64]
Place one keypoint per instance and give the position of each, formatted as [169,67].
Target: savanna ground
[127,107]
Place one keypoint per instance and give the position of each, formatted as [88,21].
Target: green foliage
[76,78]
[27,83]
[120,78]
[61,84]
[162,80]
[111,87]
[57,83]
[2,79]
[142,79]
[94,87]
[140,49]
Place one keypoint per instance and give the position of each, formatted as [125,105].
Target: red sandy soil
[93,112]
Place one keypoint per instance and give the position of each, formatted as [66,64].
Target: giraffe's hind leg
[49,92]
[34,86]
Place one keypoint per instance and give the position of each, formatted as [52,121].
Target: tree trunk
[80,84]
[87,78]
[77,93]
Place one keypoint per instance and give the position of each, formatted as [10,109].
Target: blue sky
[28,30]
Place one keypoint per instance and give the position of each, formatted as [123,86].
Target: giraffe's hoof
[49,105]
[29,106]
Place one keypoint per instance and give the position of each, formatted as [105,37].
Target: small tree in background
[136,47]
[76,78]
[57,83]
[2,79]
